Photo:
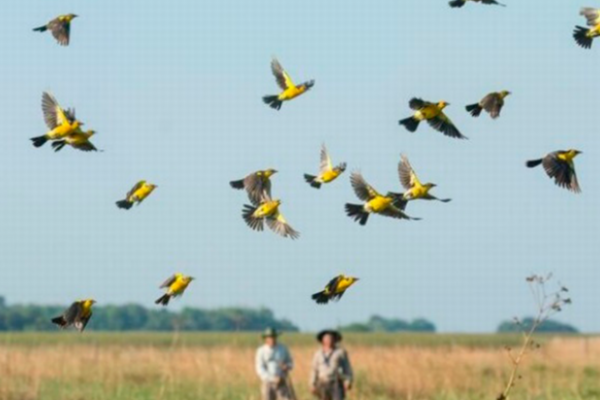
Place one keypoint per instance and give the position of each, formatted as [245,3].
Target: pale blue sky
[174,90]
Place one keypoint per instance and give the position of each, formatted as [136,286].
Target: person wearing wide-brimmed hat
[273,365]
[331,374]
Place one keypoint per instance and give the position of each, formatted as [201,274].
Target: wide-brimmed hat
[336,335]
[271,332]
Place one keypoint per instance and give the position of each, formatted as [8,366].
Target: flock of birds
[66,130]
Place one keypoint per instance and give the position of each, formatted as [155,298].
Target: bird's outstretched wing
[168,282]
[363,190]
[279,225]
[395,212]
[61,30]
[326,164]
[443,124]
[563,173]
[54,115]
[85,146]
[592,15]
[417,104]
[492,103]
[257,187]
[408,177]
[283,79]
[135,188]
[331,287]
[492,2]
[73,313]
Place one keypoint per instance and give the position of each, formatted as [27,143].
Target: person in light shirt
[331,374]
[273,365]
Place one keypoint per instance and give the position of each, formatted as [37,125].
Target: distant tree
[547,326]
[380,324]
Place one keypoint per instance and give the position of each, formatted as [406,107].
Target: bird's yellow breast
[329,176]
[179,286]
[379,204]
[427,112]
[417,192]
[267,209]
[142,192]
[291,93]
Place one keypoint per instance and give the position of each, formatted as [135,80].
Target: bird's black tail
[411,123]
[60,321]
[457,3]
[163,300]
[580,34]
[312,180]
[58,145]
[399,200]
[124,204]
[39,141]
[474,109]
[273,101]
[41,29]
[321,298]
[534,163]
[237,184]
[357,212]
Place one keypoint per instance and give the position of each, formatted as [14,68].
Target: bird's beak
[275,171]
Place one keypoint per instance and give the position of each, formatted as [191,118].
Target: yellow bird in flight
[175,286]
[585,36]
[492,103]
[137,194]
[560,166]
[414,188]
[289,89]
[77,315]
[61,122]
[375,203]
[327,172]
[60,27]
[78,139]
[267,210]
[335,289]
[433,113]
[256,184]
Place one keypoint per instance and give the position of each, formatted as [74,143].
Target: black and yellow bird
[492,103]
[61,122]
[289,89]
[175,285]
[137,194]
[327,172]
[433,113]
[585,36]
[60,27]
[375,203]
[414,188]
[78,139]
[77,315]
[335,289]
[256,184]
[267,210]
[460,3]
[560,166]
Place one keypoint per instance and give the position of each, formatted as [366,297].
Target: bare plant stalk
[547,305]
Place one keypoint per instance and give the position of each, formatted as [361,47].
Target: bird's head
[308,85]
[504,93]
[341,167]
[71,17]
[91,133]
[575,152]
[190,278]
[91,301]
[353,279]
[270,172]
[152,186]
[430,185]
[443,104]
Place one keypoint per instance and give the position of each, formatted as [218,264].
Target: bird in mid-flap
[289,89]
[375,203]
[77,315]
[560,166]
[327,172]
[585,36]
[460,3]
[137,194]
[60,27]
[433,113]
[335,289]
[61,122]
[267,210]
[256,184]
[175,286]
[492,103]
[414,188]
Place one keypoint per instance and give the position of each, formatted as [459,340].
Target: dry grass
[564,368]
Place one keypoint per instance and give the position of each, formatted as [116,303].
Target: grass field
[117,366]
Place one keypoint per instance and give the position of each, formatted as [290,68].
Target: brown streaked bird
[77,315]
[433,113]
[560,166]
[375,203]
[289,89]
[60,27]
[460,3]
[492,103]
[256,184]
